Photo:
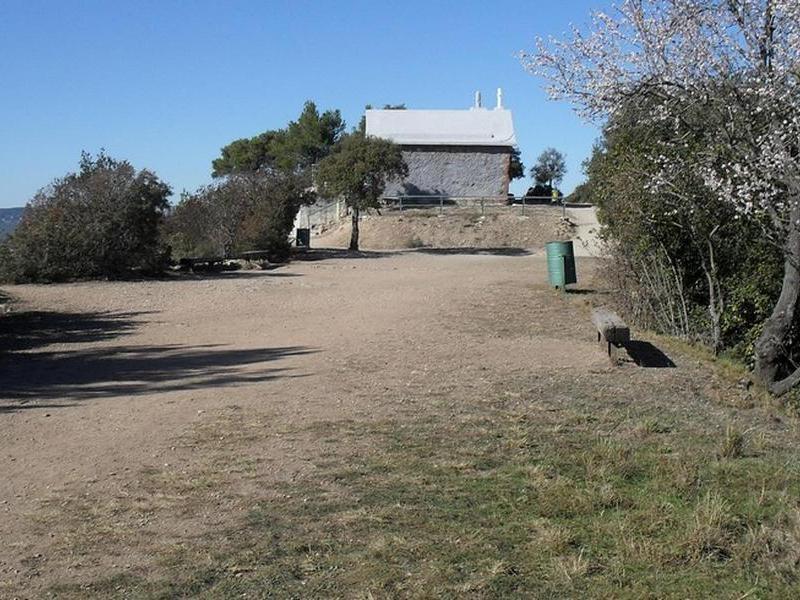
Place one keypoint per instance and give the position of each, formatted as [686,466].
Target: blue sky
[166,84]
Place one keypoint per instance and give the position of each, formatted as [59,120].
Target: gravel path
[586,240]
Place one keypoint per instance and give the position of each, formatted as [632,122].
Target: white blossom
[738,59]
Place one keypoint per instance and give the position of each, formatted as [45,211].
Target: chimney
[477,99]
[499,98]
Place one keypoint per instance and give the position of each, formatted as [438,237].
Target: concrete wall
[321,213]
[454,172]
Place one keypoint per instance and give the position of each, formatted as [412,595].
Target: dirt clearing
[409,424]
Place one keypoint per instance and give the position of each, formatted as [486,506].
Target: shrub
[732,444]
[240,213]
[102,221]
[540,190]
[682,262]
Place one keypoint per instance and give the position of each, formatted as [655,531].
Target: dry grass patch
[492,502]
[732,444]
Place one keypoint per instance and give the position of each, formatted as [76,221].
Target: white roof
[473,127]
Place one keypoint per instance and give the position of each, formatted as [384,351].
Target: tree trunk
[354,231]
[714,311]
[716,303]
[771,347]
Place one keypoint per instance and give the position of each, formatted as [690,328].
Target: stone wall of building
[457,172]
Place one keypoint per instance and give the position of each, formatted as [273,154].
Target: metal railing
[443,203]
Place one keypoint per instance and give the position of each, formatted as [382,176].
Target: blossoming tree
[726,70]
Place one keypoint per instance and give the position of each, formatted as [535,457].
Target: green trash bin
[303,237]
[560,264]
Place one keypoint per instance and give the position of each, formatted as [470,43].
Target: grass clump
[713,532]
[732,444]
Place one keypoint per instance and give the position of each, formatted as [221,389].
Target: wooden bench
[209,262]
[610,328]
[253,255]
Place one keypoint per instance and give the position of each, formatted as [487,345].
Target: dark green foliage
[267,178]
[540,191]
[684,262]
[246,155]
[358,171]
[751,291]
[550,168]
[188,224]
[243,212]
[294,148]
[102,221]
[516,170]
[582,194]
[270,222]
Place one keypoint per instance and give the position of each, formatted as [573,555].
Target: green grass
[503,501]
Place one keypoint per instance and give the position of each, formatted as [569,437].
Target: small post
[400,198]
[563,204]
[523,206]
[441,205]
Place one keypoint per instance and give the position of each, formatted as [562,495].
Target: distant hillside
[9,217]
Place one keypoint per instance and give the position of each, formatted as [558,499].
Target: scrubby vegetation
[699,99]
[102,221]
[240,213]
[682,261]
[292,149]
[109,220]
[261,183]
[268,177]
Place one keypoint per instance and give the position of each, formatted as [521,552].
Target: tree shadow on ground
[34,364]
[216,272]
[646,355]
[317,254]
[33,329]
[228,275]
[134,370]
[501,251]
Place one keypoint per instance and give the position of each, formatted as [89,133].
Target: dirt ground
[104,383]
